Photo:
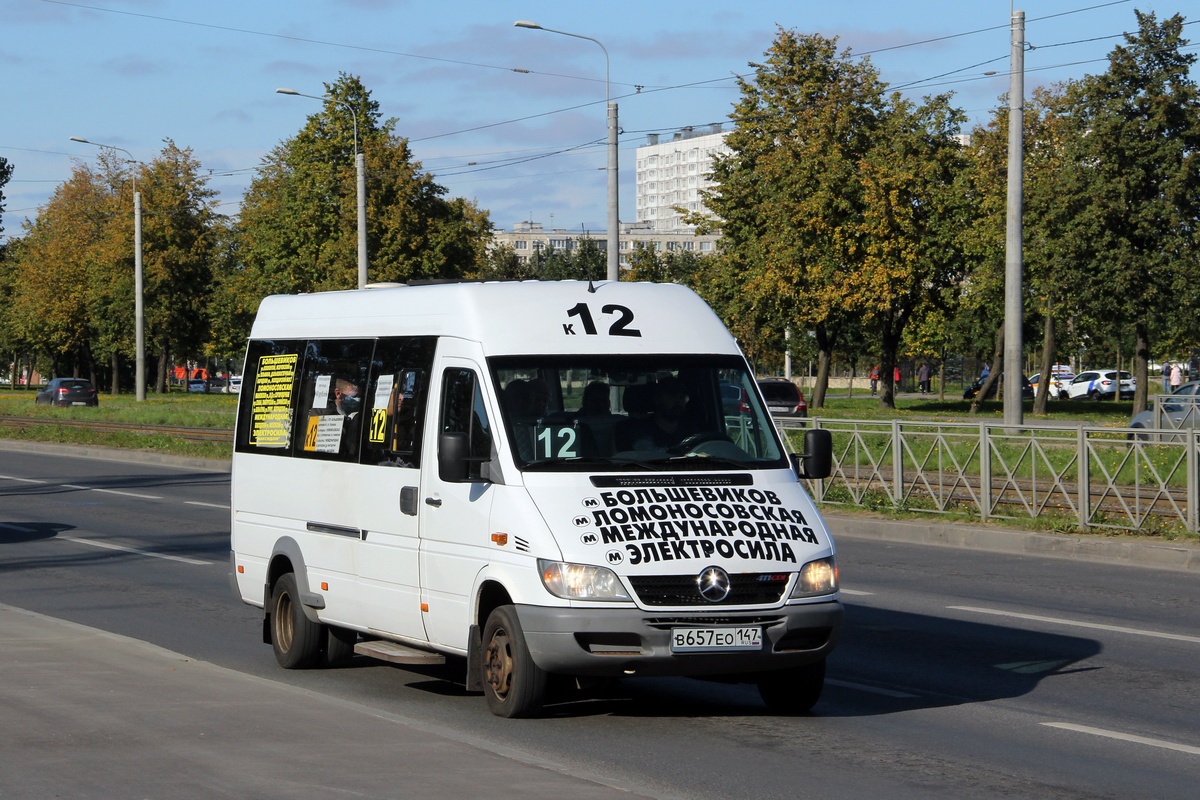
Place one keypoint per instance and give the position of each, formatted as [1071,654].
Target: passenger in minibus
[666,426]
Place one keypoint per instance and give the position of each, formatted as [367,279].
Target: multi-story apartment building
[670,174]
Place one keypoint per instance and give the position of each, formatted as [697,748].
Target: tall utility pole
[360,167]
[1014,344]
[139,312]
[613,237]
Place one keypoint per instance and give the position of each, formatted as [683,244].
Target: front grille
[749,589]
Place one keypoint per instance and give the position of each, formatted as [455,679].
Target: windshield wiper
[594,462]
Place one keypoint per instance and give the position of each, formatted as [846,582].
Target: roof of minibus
[517,317]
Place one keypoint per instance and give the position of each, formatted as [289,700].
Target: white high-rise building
[670,174]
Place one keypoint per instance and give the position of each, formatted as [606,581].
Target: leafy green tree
[6,171]
[583,262]
[1133,150]
[52,273]
[836,203]
[788,187]
[9,343]
[179,244]
[298,226]
[503,264]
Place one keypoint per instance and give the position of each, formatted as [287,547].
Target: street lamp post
[614,217]
[360,166]
[138,309]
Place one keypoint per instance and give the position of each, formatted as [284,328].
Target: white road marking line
[205,505]
[112,491]
[16,528]
[855,592]
[20,480]
[1125,737]
[862,687]
[1079,624]
[134,550]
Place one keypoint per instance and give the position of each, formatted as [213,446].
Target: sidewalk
[93,714]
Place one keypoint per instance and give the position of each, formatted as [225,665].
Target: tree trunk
[822,382]
[1048,359]
[824,344]
[116,374]
[161,381]
[994,375]
[1141,371]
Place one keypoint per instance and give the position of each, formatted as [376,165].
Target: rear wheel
[793,691]
[295,638]
[513,685]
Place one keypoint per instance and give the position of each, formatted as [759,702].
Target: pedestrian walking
[923,377]
[896,380]
[1166,376]
[874,380]
[1176,377]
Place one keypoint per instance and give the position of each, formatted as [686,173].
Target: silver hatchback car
[1179,409]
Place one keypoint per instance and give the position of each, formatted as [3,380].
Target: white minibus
[533,479]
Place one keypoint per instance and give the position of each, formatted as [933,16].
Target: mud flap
[474,667]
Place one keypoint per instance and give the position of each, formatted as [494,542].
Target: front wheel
[793,691]
[513,685]
[295,638]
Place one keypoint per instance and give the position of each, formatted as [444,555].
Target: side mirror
[817,459]
[452,456]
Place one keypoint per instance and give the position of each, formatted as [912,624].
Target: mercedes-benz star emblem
[713,584]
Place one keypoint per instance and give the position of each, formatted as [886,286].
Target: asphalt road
[962,673]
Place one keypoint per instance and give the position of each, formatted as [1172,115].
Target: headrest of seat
[638,399]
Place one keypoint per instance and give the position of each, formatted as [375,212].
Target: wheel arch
[286,556]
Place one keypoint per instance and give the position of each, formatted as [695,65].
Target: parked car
[1058,383]
[234,386]
[972,390]
[197,385]
[1101,384]
[734,400]
[1181,408]
[68,392]
[784,398]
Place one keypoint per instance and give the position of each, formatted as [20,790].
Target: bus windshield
[630,413]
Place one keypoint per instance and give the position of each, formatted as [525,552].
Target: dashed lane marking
[134,550]
[1178,637]
[1125,737]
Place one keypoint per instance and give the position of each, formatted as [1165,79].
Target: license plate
[715,640]
[78,403]
[778,409]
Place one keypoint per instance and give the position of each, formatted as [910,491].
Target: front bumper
[615,642]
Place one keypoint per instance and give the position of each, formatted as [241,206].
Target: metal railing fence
[1074,476]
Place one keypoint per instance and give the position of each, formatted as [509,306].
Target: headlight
[817,578]
[580,581]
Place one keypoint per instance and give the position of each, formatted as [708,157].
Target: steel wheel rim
[284,626]
[498,666]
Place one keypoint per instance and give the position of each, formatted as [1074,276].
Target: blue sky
[133,72]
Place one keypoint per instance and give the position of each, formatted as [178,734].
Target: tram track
[193,434]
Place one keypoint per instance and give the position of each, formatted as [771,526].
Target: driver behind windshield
[666,426]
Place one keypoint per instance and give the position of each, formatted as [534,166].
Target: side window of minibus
[463,411]
[396,395]
[267,414]
[330,403]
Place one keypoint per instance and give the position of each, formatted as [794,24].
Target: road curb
[1179,556]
